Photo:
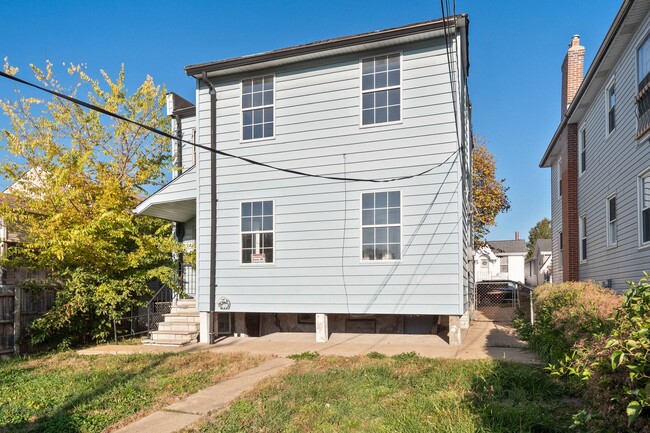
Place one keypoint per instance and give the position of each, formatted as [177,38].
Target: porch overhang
[175,201]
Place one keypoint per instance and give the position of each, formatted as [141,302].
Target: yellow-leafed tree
[77,175]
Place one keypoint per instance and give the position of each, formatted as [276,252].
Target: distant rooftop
[545,244]
[508,247]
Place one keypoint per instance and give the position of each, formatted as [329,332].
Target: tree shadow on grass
[64,418]
[516,398]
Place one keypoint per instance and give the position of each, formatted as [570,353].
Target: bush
[566,314]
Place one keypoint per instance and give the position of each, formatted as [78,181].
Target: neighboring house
[501,260]
[600,157]
[539,266]
[276,251]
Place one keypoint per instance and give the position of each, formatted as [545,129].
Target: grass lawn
[404,393]
[66,392]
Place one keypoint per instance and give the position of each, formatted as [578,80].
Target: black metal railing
[144,319]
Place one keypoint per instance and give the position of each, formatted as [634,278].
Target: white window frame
[641,208]
[608,107]
[559,177]
[400,225]
[612,224]
[645,40]
[561,248]
[241,232]
[503,261]
[582,151]
[251,108]
[400,87]
[582,230]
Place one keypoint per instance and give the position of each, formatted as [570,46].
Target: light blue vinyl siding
[614,162]
[318,266]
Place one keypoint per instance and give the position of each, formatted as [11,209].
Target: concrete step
[169,343]
[179,326]
[183,309]
[172,335]
[182,317]
[191,302]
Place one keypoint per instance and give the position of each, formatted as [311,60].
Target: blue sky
[516,49]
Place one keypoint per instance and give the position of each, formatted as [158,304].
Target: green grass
[66,392]
[405,393]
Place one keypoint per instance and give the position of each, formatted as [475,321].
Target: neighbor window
[503,265]
[380,89]
[583,150]
[257,232]
[611,108]
[257,107]
[559,177]
[644,199]
[381,226]
[561,250]
[583,238]
[643,78]
[611,221]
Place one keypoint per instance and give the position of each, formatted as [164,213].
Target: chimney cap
[575,40]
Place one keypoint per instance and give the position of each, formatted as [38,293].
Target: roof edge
[461,20]
[595,64]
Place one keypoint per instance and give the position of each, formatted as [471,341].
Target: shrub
[566,314]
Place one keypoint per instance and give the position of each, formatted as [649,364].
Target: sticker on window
[258,258]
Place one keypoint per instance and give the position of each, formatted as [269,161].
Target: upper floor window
[611,221]
[257,107]
[643,97]
[503,265]
[257,232]
[583,150]
[381,89]
[381,229]
[644,207]
[559,178]
[611,108]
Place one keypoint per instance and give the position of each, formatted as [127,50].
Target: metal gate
[502,301]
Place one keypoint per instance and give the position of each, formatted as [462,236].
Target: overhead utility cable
[219,152]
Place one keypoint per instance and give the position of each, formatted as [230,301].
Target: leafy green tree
[490,198]
[78,175]
[541,230]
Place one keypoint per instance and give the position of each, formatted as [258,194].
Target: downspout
[213,203]
[179,146]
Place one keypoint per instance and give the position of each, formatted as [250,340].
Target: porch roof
[175,201]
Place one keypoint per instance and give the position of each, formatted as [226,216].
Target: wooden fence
[18,308]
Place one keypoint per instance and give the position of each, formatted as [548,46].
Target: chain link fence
[502,301]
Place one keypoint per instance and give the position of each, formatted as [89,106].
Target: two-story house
[600,157]
[331,189]
[501,260]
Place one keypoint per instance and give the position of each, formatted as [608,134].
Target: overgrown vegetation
[66,392]
[599,343]
[404,393]
[76,178]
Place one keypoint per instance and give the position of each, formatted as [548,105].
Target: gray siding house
[346,206]
[600,157]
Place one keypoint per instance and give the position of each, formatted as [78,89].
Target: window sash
[381,226]
[583,238]
[611,221]
[257,231]
[257,108]
[611,114]
[583,151]
[645,209]
[381,89]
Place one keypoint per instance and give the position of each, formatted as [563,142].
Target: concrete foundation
[322,331]
[455,335]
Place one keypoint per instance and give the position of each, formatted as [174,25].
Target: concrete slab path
[186,412]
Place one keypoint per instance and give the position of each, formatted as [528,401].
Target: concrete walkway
[186,412]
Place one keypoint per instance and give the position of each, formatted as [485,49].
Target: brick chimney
[572,72]
[572,75]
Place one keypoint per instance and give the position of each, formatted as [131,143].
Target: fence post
[532,310]
[18,312]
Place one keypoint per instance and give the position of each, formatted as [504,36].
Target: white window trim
[241,263]
[644,137]
[559,177]
[612,83]
[639,186]
[560,244]
[582,228]
[401,92]
[401,226]
[582,133]
[608,222]
[241,110]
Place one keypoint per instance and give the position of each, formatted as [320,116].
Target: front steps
[181,326]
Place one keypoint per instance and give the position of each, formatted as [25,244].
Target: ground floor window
[644,201]
[381,229]
[257,232]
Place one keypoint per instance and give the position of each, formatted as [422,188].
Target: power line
[219,152]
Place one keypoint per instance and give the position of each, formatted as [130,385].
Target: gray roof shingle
[508,247]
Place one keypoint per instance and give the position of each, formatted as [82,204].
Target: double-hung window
[561,251]
[503,262]
[611,108]
[643,78]
[381,229]
[583,150]
[257,108]
[257,232]
[381,89]
[612,219]
[644,202]
[583,238]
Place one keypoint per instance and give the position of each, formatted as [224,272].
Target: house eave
[174,201]
[331,47]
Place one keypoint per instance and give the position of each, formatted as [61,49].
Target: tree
[489,193]
[541,230]
[78,176]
